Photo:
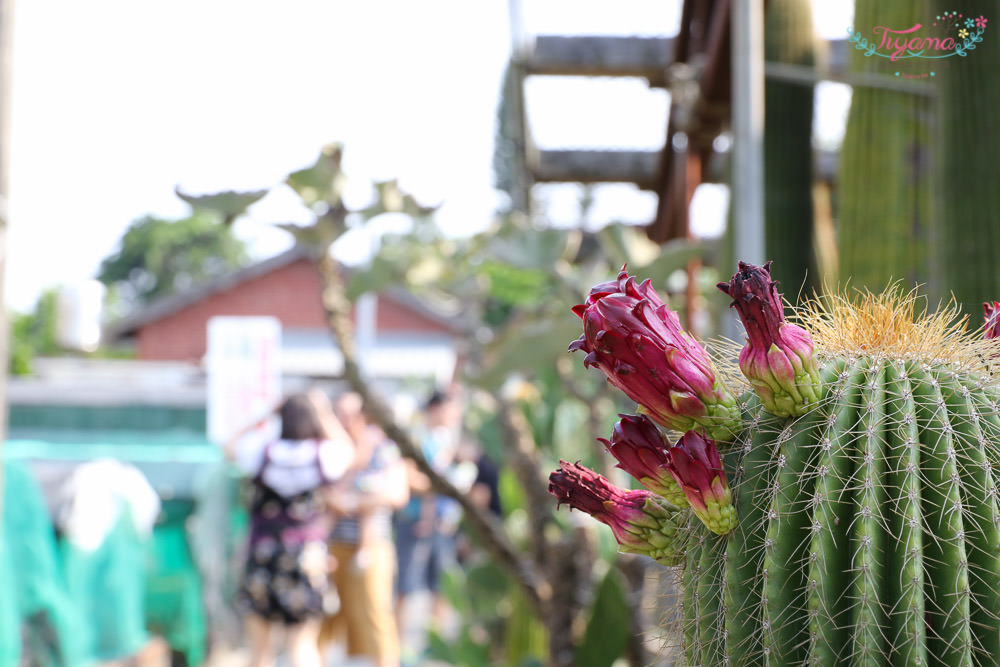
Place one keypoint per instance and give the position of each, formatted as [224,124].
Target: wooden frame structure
[695,67]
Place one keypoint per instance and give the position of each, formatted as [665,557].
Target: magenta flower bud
[638,342]
[641,522]
[778,357]
[695,464]
[624,284]
[992,329]
[641,450]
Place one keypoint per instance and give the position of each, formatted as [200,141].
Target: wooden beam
[638,167]
[646,57]
[596,166]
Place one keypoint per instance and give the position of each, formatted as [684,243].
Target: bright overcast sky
[116,101]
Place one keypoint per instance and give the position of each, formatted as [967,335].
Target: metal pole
[6,34]
[748,129]
[747,194]
[366,312]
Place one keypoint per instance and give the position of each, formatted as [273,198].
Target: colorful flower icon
[969,22]
[981,21]
[963,33]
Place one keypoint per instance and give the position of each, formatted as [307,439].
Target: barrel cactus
[863,525]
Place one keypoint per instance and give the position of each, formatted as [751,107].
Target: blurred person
[482,475]
[426,528]
[362,540]
[352,499]
[485,490]
[285,585]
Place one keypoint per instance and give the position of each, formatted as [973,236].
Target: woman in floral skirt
[285,584]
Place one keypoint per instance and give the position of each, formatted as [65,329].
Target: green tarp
[76,607]
[107,586]
[35,596]
[174,605]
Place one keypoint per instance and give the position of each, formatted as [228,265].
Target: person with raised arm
[292,455]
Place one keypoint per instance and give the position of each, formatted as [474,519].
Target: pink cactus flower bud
[641,450]
[697,468]
[641,522]
[624,284]
[638,342]
[992,329]
[778,357]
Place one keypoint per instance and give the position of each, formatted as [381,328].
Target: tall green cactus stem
[869,528]
[885,219]
[966,196]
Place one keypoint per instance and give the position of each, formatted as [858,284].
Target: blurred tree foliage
[33,334]
[547,587]
[514,285]
[157,257]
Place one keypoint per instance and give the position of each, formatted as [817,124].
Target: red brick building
[409,338]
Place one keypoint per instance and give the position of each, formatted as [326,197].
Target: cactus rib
[829,556]
[905,580]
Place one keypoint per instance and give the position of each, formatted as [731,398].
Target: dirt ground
[413,638]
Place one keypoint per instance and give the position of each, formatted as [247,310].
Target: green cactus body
[869,528]
[867,516]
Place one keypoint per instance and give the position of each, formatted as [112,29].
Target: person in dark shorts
[425,529]
[285,580]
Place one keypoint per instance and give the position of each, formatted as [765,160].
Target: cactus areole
[860,517]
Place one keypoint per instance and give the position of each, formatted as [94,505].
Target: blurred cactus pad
[867,525]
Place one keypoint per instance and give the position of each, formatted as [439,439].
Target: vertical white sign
[78,315]
[244,372]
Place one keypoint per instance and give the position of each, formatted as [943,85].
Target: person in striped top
[362,542]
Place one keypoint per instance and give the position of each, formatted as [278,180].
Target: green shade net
[10,612]
[174,608]
[108,586]
[129,588]
[35,596]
